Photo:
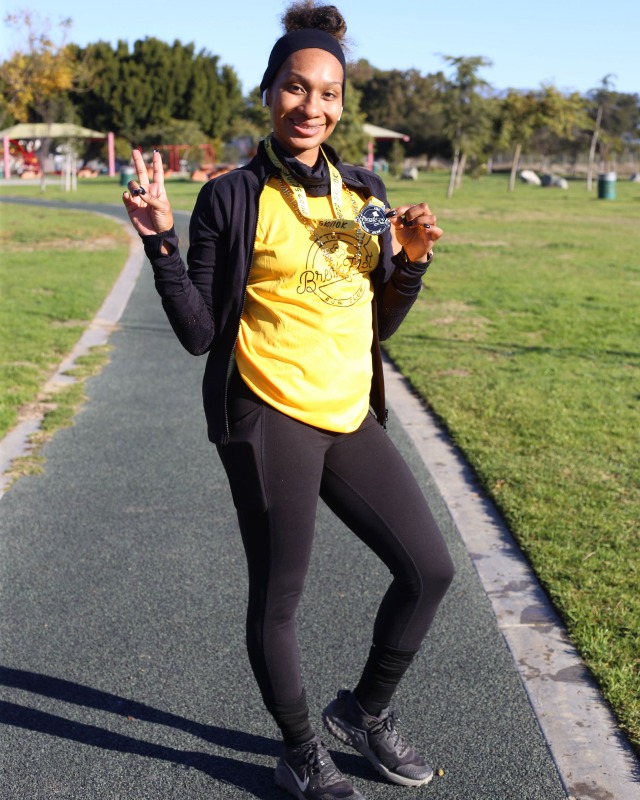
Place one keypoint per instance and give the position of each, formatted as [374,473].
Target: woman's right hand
[148,210]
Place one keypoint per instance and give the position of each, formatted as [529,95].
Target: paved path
[122,665]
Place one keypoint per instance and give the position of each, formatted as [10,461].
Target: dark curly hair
[306,14]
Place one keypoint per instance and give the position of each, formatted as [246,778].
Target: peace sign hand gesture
[147,203]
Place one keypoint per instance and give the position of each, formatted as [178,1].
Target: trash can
[126,174]
[607,186]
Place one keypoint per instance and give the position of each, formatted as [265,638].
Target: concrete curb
[16,442]
[593,757]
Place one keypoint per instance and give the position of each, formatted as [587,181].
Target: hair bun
[306,14]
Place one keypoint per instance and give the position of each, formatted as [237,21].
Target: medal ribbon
[301,196]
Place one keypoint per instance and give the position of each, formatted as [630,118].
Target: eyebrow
[302,78]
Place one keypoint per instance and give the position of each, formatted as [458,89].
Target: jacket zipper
[235,341]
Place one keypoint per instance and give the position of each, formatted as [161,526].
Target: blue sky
[570,43]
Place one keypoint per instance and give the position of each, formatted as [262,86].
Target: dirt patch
[68,323]
[456,373]
[29,364]
[462,320]
[34,410]
[456,311]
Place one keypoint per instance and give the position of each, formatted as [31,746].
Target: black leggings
[277,469]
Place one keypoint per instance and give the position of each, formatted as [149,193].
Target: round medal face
[372,220]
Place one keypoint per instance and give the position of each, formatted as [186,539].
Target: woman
[297,270]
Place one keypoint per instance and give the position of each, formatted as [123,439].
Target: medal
[373,220]
[370,219]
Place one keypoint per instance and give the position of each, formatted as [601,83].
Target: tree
[6,117]
[520,116]
[600,104]
[424,116]
[175,131]
[250,124]
[348,137]
[615,120]
[466,122]
[255,115]
[155,82]
[396,158]
[545,115]
[39,75]
[563,115]
[406,101]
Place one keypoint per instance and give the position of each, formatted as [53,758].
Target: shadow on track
[253,778]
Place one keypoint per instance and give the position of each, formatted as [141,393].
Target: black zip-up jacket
[204,303]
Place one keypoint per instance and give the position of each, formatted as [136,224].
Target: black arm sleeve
[183,303]
[400,284]
[187,294]
[399,294]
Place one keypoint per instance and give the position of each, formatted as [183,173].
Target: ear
[264,99]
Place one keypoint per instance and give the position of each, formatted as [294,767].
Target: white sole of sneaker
[333,725]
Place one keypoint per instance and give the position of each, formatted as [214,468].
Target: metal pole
[7,157]
[111,154]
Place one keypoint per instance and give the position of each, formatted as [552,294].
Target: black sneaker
[308,773]
[377,739]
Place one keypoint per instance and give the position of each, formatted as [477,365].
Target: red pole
[111,150]
[7,157]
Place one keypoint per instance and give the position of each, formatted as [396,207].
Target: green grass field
[526,344]
[57,268]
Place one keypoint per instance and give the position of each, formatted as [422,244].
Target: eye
[333,93]
[296,88]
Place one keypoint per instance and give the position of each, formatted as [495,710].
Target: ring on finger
[411,222]
[135,189]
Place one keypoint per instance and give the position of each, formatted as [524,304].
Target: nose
[311,104]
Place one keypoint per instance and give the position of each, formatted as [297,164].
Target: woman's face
[305,100]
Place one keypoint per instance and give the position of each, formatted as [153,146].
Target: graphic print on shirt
[337,266]
[307,324]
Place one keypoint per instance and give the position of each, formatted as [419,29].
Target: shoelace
[317,760]
[388,724]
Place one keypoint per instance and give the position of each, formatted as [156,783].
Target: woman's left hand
[416,230]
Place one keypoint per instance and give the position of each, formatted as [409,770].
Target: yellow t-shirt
[305,336]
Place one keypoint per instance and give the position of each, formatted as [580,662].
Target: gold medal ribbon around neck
[300,196]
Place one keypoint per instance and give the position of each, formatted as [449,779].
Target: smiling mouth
[306,127]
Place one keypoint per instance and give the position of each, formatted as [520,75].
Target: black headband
[302,39]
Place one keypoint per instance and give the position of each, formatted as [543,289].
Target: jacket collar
[264,169]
